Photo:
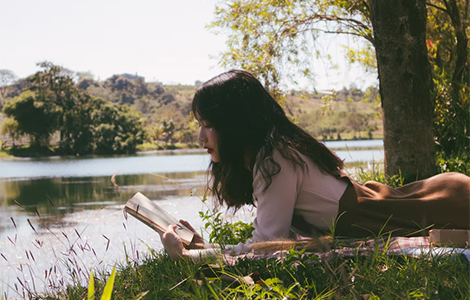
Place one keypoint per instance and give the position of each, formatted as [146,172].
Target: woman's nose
[202,137]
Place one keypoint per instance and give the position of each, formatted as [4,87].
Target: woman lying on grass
[259,157]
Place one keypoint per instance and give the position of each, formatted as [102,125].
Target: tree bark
[405,86]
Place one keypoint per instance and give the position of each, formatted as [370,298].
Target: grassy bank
[296,276]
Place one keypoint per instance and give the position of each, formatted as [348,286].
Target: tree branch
[437,7]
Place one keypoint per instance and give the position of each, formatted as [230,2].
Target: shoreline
[146,148]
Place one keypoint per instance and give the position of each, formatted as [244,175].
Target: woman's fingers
[186,223]
[198,241]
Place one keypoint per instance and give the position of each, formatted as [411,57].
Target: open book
[149,213]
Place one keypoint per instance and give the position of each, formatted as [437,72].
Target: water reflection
[52,198]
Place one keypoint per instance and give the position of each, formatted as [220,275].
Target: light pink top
[311,194]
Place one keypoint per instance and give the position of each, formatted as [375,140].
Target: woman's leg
[441,201]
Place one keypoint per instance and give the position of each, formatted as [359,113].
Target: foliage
[276,39]
[447,42]
[447,39]
[457,162]
[102,127]
[222,232]
[374,171]
[108,289]
[86,124]
[10,127]
[34,115]
[7,78]
[451,117]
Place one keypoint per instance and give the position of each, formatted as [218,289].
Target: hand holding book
[197,242]
[149,213]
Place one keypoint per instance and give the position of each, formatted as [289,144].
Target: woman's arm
[275,205]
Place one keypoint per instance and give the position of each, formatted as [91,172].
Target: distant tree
[188,132]
[84,75]
[55,87]
[123,84]
[7,78]
[158,90]
[102,127]
[168,129]
[10,127]
[166,99]
[144,104]
[125,97]
[86,124]
[84,83]
[116,129]
[358,122]
[140,87]
[34,117]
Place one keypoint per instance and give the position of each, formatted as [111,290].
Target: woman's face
[208,137]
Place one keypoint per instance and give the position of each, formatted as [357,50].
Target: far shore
[25,151]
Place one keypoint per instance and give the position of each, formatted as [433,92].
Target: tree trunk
[405,86]
[460,75]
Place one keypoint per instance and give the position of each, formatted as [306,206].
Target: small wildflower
[192,192]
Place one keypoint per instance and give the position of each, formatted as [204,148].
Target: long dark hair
[250,124]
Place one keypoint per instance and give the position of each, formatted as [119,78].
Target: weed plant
[222,232]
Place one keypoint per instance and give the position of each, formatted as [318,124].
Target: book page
[155,217]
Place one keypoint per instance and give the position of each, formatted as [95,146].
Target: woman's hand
[197,241]
[172,243]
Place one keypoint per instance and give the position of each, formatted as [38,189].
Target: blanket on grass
[410,246]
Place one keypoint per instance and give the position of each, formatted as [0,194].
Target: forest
[73,114]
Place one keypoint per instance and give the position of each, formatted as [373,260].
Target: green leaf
[108,289]
[91,287]
[141,295]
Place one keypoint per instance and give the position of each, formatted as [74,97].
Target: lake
[63,213]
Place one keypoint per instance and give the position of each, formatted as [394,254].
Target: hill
[345,114]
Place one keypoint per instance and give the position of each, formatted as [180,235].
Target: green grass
[5,154]
[297,276]
[166,146]
[27,151]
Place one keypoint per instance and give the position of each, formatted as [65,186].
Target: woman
[260,157]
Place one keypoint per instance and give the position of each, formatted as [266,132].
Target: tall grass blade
[91,287]
[141,295]
[108,289]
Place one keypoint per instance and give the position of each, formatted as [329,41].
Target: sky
[162,40]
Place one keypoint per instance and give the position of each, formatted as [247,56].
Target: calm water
[58,211]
